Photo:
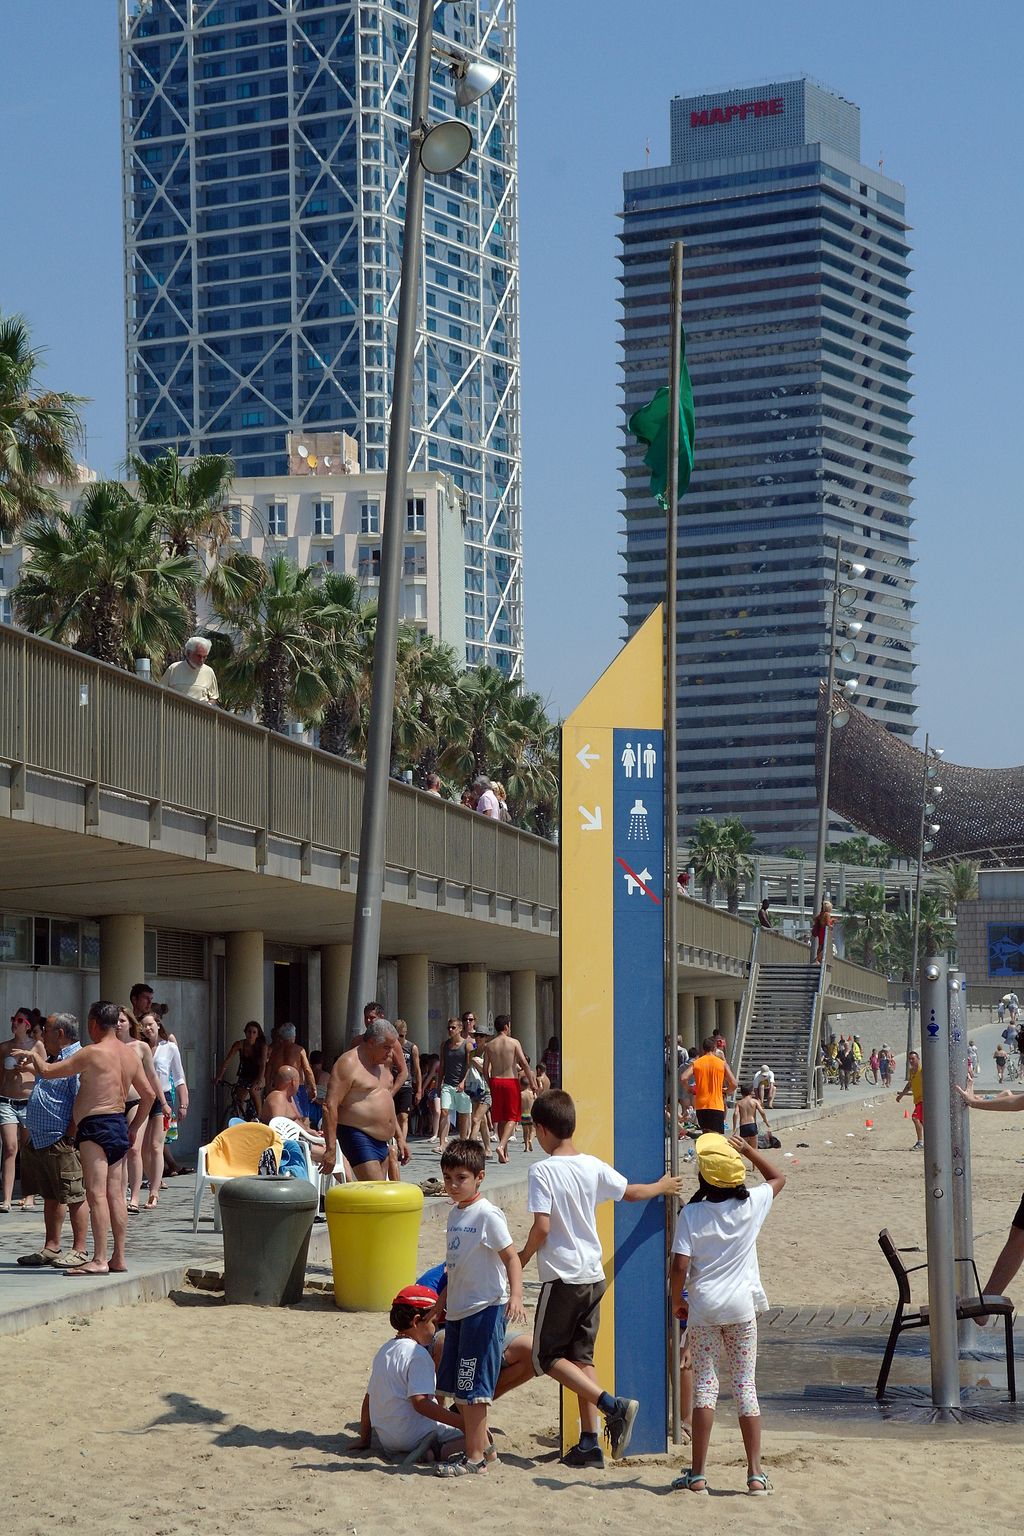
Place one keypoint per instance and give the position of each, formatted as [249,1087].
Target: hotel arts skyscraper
[263,148]
[797,318]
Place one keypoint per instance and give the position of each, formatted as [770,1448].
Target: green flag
[649,425]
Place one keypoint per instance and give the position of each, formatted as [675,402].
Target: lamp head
[474,78]
[848,653]
[445,146]
[856,569]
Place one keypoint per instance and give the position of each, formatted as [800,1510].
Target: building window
[323,519]
[416,514]
[369,517]
[415,560]
[277,519]
[235,520]
[368,564]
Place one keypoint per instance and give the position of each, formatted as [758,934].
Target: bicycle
[1014,1069]
[241,1104]
[870,1075]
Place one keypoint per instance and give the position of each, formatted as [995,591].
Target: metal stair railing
[746,1005]
[815,1084]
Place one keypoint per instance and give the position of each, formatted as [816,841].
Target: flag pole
[671,777]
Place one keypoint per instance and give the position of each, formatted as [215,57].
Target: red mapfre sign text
[770,108]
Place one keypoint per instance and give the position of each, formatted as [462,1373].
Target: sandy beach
[184,1416]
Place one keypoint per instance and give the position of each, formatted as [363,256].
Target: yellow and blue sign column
[613,981]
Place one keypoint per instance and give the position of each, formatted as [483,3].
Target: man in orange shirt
[709,1074]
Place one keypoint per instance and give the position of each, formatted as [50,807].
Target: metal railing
[815,1087]
[747,1002]
[69,717]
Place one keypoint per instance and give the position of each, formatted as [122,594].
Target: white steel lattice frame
[466,408]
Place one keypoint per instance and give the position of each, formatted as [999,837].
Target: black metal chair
[908,1316]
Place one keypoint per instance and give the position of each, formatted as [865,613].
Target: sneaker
[578,1457]
[619,1425]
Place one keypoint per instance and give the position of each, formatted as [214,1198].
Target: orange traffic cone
[869,1125]
[906,1114]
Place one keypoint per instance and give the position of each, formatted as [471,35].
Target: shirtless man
[285,1052]
[399,1065]
[108,1073]
[281,1098]
[359,1111]
[15,1088]
[504,1060]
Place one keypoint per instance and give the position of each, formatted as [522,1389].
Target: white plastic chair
[235,1154]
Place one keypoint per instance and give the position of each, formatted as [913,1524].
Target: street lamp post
[439,149]
[924,845]
[842,597]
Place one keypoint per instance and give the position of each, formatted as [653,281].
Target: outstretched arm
[668,1184]
[1007,1101]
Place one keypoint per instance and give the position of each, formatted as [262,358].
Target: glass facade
[797,317]
[264,146]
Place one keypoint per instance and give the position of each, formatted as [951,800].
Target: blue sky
[938,88]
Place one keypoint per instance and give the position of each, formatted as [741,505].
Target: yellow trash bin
[374,1230]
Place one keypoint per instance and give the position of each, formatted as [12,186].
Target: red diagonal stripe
[632,876]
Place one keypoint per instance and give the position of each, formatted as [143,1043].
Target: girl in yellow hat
[714,1256]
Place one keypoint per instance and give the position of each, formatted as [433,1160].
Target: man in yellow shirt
[915,1086]
[191,677]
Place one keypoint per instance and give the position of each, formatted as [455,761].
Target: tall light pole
[930,791]
[439,149]
[843,598]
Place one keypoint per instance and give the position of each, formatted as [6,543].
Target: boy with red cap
[400,1402]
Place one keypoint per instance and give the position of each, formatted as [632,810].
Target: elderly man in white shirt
[764,1085]
[487,801]
[191,677]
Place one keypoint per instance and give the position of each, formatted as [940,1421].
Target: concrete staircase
[780,1016]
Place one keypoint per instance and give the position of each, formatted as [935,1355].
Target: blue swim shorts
[108,1131]
[359,1147]
[471,1358]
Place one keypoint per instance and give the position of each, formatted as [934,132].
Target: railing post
[92,790]
[213,817]
[19,776]
[263,833]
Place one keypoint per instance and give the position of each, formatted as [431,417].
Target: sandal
[459,1466]
[133,1207]
[74,1260]
[38,1260]
[688,1482]
[758,1485]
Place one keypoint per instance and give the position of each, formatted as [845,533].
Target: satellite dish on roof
[302,451]
[327,462]
[311,460]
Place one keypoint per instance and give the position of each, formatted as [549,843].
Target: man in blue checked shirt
[50,1164]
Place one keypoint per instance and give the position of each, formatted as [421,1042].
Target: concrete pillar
[243,982]
[335,969]
[707,1018]
[725,1008]
[122,957]
[414,997]
[473,991]
[688,1021]
[523,1004]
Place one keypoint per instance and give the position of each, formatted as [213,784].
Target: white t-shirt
[568,1190]
[167,1061]
[477,1278]
[198,683]
[488,805]
[761,1076]
[723,1281]
[401,1369]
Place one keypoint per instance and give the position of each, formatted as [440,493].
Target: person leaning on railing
[821,930]
[191,677]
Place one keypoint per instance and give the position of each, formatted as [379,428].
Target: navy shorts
[471,1358]
[108,1131]
[358,1147]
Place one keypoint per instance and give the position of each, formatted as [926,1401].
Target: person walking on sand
[714,1259]
[108,1072]
[915,1086]
[504,1060]
[710,1074]
[744,1117]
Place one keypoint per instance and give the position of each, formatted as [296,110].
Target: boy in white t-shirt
[483,1290]
[563,1193]
[400,1403]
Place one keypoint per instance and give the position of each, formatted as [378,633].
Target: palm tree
[867,924]
[936,935]
[740,844]
[347,627]
[39,430]
[709,856]
[278,664]
[428,686]
[99,579]
[486,698]
[529,769]
[191,507]
[959,881]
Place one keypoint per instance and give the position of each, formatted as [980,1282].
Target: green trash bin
[267,1222]
[374,1230]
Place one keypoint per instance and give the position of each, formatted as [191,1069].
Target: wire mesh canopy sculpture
[875,781]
